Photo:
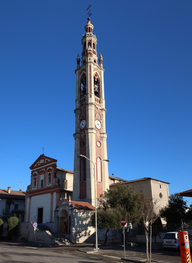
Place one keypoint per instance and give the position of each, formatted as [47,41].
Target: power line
[16,155]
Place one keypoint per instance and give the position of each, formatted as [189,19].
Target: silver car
[170,240]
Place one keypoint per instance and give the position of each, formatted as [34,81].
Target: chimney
[9,190]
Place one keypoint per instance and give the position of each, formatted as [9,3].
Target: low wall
[27,232]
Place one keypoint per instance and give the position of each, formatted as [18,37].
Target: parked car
[170,240]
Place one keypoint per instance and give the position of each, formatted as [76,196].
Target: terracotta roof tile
[81,205]
[186,193]
[5,192]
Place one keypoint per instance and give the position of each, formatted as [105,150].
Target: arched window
[83,86]
[82,170]
[89,44]
[93,45]
[96,86]
[98,169]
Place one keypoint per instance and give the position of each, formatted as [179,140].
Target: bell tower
[90,128]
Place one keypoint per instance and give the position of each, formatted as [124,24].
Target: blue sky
[147,57]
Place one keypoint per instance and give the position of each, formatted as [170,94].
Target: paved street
[12,253]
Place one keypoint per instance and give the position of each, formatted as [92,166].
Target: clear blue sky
[147,56]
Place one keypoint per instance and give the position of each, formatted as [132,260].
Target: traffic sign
[123,221]
[35,224]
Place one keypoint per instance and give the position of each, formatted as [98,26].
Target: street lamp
[94,164]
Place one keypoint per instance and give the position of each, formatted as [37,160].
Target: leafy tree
[107,219]
[117,203]
[123,199]
[174,212]
[188,214]
[149,213]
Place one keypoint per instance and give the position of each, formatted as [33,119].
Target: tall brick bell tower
[90,128]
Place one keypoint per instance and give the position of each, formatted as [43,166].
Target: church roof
[64,170]
[41,161]
[81,205]
[140,180]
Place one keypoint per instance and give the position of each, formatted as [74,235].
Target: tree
[123,199]
[117,203]
[149,213]
[175,211]
[188,214]
[107,219]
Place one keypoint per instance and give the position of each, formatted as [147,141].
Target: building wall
[40,201]
[155,189]
[160,192]
[20,203]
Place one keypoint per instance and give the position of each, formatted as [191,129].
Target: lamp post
[94,164]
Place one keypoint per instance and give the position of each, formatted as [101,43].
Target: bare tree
[149,213]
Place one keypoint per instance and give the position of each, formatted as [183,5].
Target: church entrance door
[40,216]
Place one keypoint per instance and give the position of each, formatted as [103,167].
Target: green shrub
[12,224]
[1,226]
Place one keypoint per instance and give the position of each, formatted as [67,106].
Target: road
[12,253]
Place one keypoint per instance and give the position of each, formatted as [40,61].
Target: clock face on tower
[98,124]
[82,124]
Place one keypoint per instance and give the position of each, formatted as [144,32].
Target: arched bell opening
[83,86]
[96,85]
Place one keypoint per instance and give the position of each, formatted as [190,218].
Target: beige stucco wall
[40,201]
[157,190]
[160,192]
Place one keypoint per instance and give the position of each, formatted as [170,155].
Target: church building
[49,200]
[64,200]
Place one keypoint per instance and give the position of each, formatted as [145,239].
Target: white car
[170,240]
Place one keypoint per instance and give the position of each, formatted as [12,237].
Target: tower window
[83,86]
[89,44]
[93,45]
[96,86]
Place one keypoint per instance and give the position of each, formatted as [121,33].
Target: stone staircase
[61,240]
[52,239]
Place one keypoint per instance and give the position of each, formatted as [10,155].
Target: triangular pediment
[41,161]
